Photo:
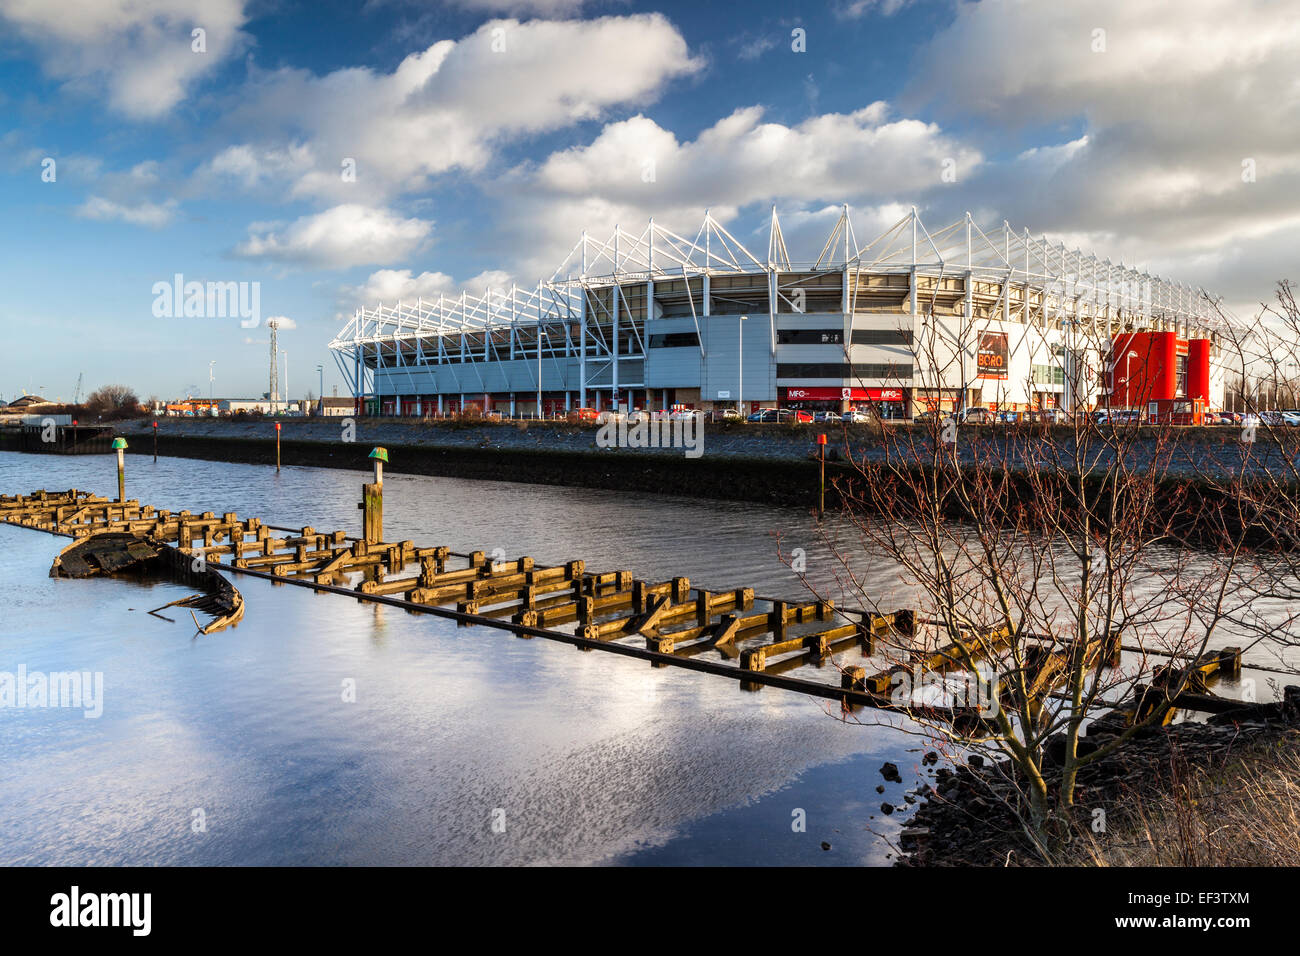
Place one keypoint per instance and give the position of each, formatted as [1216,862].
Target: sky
[328,155]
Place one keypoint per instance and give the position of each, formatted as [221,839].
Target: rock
[930,759]
[825,845]
[976,761]
[880,788]
[886,808]
[890,772]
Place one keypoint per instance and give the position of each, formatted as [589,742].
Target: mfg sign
[844,394]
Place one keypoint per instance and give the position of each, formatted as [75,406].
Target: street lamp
[740,365]
[286,378]
[541,334]
[1128,378]
[210,365]
[320,398]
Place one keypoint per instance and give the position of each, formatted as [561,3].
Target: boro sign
[991,359]
[844,394]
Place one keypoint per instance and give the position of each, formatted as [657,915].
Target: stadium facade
[913,320]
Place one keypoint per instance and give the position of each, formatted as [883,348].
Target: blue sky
[486,134]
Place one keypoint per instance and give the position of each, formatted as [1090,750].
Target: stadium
[914,320]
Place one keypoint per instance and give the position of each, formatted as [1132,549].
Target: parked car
[725,415]
[1277,419]
[783,416]
[977,415]
[926,416]
[1118,416]
[828,418]
[586,414]
[855,417]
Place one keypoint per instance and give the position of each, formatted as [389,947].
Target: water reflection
[591,757]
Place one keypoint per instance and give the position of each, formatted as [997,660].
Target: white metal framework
[593,309]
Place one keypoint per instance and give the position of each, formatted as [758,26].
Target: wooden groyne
[753,640]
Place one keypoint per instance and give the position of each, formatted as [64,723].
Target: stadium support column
[916,332]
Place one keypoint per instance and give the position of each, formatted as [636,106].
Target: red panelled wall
[1149,375]
[1198,369]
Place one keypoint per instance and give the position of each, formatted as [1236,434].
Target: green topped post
[119,445]
[372,500]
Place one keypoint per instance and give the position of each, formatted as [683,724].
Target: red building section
[1161,375]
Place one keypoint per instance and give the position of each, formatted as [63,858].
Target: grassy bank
[1241,812]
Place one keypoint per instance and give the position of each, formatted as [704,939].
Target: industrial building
[913,320]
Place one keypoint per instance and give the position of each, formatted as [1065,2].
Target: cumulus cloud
[281,322]
[143,213]
[140,51]
[635,169]
[337,238]
[1178,114]
[402,285]
[446,107]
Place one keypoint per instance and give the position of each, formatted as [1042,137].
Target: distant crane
[76,395]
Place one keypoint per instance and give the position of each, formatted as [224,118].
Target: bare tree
[1070,563]
[113,401]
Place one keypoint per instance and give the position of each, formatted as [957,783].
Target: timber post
[119,444]
[372,500]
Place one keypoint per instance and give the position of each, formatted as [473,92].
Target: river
[463,745]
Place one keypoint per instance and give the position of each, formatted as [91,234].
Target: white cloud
[140,50]
[635,169]
[542,8]
[143,213]
[742,159]
[1169,108]
[402,285]
[281,322]
[753,47]
[254,168]
[446,107]
[860,8]
[337,238]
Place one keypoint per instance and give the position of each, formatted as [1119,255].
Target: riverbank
[773,464]
[1145,804]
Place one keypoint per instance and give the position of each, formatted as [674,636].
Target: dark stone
[890,772]
[930,759]
[976,761]
[825,845]
[880,788]
[886,808]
